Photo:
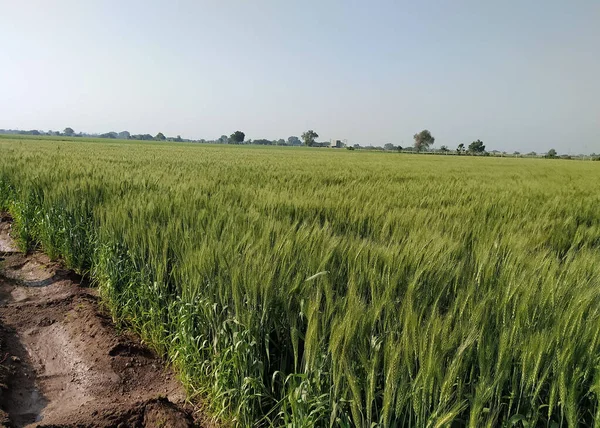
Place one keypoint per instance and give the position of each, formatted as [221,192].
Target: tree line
[423,142]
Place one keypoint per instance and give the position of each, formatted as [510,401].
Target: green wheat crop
[320,287]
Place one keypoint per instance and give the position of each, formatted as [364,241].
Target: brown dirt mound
[63,364]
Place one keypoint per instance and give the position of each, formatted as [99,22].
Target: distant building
[338,144]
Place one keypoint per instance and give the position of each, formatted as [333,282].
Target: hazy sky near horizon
[519,75]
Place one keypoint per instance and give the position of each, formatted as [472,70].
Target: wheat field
[322,287]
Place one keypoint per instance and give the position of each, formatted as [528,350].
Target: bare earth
[63,364]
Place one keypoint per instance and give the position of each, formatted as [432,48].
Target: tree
[423,140]
[109,135]
[444,149]
[124,135]
[160,137]
[281,142]
[477,147]
[237,137]
[551,154]
[460,149]
[69,132]
[263,142]
[294,141]
[309,137]
[389,146]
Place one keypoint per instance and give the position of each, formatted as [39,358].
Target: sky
[519,75]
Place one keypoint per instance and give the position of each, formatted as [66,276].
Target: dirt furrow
[62,363]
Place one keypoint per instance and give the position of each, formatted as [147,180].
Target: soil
[63,363]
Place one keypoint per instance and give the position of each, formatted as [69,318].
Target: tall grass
[450,291]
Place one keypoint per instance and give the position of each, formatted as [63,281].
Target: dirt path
[62,363]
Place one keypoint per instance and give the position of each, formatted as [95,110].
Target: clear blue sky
[520,75]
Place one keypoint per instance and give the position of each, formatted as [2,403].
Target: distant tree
[178,139]
[551,154]
[477,147]
[124,135]
[294,141]
[263,142]
[516,153]
[69,132]
[160,137]
[356,146]
[389,146]
[423,140]
[109,135]
[309,137]
[237,137]
[444,149]
[460,149]
[31,132]
[281,142]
